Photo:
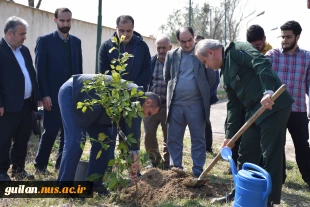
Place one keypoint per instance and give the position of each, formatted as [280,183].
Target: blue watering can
[252,183]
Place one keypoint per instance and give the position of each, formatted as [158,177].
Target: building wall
[41,22]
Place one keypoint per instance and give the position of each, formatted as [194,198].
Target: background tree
[208,20]
[175,20]
[233,24]
[201,19]
[31,3]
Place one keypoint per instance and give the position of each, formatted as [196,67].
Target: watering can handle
[242,130]
[247,165]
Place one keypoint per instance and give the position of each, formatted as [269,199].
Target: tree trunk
[39,4]
[31,3]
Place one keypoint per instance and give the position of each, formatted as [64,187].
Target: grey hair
[207,44]
[163,37]
[12,22]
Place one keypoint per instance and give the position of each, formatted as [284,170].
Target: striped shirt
[294,71]
[159,86]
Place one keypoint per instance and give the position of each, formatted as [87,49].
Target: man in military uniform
[250,81]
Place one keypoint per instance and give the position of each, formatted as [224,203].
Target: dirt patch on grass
[157,186]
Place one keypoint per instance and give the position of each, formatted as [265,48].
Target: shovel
[200,181]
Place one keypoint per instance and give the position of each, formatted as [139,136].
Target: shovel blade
[195,183]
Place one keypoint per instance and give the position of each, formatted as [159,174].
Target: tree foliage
[208,21]
[118,102]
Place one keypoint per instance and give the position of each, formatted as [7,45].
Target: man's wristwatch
[270,92]
[134,152]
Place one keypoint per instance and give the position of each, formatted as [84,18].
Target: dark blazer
[95,116]
[213,89]
[51,64]
[153,63]
[12,83]
[98,114]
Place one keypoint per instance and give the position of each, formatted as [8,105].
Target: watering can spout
[226,155]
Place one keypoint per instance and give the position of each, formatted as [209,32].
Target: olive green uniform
[247,75]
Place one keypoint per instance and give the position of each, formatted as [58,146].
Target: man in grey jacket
[188,100]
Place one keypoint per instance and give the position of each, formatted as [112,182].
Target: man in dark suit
[94,121]
[18,97]
[58,57]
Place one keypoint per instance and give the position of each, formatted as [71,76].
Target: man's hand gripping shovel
[198,182]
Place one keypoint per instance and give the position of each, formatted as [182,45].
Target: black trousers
[267,139]
[208,136]
[298,127]
[15,132]
[52,123]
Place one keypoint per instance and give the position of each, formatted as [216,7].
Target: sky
[150,15]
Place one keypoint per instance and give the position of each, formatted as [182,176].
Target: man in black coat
[18,98]
[93,121]
[58,57]
[138,68]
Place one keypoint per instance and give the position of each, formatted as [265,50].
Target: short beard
[291,47]
[64,30]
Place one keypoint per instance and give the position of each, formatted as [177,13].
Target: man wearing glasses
[256,36]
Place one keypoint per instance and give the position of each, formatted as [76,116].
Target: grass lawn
[294,191]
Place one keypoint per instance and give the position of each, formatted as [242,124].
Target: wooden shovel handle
[242,130]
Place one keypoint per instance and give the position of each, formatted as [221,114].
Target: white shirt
[20,59]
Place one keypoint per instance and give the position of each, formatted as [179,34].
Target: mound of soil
[156,186]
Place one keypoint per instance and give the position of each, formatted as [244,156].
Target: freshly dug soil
[156,186]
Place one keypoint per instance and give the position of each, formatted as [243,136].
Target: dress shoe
[228,172]
[101,190]
[196,175]
[166,168]
[42,172]
[209,150]
[56,167]
[150,166]
[4,177]
[160,166]
[21,175]
[226,199]
[139,173]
